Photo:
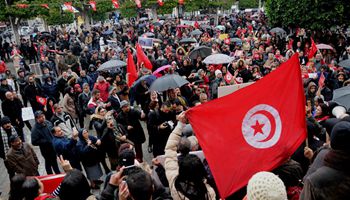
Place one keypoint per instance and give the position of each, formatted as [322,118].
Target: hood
[80,134]
[310,85]
[340,136]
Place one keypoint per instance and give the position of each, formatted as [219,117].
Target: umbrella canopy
[168,82]
[205,26]
[108,32]
[148,78]
[143,19]
[162,68]
[342,96]
[111,65]
[196,32]
[236,40]
[202,51]
[217,59]
[221,27]
[324,46]
[279,31]
[148,34]
[155,40]
[188,40]
[161,62]
[157,24]
[345,64]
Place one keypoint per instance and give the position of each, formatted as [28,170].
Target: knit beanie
[266,186]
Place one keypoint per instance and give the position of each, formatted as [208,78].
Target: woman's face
[318,111]
[103,112]
[86,134]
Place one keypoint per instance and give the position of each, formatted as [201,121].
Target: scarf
[5,138]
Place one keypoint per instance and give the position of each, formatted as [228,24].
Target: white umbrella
[217,59]
[324,46]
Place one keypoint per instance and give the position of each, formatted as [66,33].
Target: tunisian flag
[142,58]
[313,49]
[41,100]
[115,3]
[93,5]
[254,129]
[131,69]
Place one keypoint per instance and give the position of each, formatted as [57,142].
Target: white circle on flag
[262,126]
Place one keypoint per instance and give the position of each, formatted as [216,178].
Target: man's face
[82,73]
[165,109]
[58,132]
[126,109]
[31,79]
[40,119]
[59,110]
[64,75]
[17,144]
[9,96]
[6,126]
[97,96]
[86,89]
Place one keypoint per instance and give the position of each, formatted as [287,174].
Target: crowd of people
[84,115]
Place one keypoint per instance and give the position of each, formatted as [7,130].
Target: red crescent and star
[258,126]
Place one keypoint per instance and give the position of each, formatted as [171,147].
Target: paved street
[4,180]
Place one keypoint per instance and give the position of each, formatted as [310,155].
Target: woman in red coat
[103,86]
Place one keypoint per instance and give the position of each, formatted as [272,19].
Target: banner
[226,90]
[192,23]
[27,113]
[146,43]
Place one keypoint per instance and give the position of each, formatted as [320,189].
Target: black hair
[30,189]
[16,187]
[74,186]
[190,181]
[140,185]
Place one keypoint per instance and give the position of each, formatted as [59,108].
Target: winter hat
[266,186]
[217,72]
[124,103]
[5,120]
[111,89]
[13,137]
[340,136]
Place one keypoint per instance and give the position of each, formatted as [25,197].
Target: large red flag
[131,70]
[142,58]
[313,49]
[254,129]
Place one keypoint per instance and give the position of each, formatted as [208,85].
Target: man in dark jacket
[4,87]
[83,100]
[21,157]
[159,128]
[50,88]
[331,180]
[12,107]
[129,118]
[6,130]
[85,79]
[42,137]
[22,83]
[32,90]
[62,82]
[66,147]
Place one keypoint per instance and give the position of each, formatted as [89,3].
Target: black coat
[158,137]
[132,118]
[331,181]
[31,91]
[3,90]
[42,137]
[13,110]
[115,103]
[83,101]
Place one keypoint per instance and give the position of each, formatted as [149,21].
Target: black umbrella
[188,40]
[196,32]
[168,82]
[202,51]
[148,78]
[111,65]
[157,24]
[342,96]
[345,64]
